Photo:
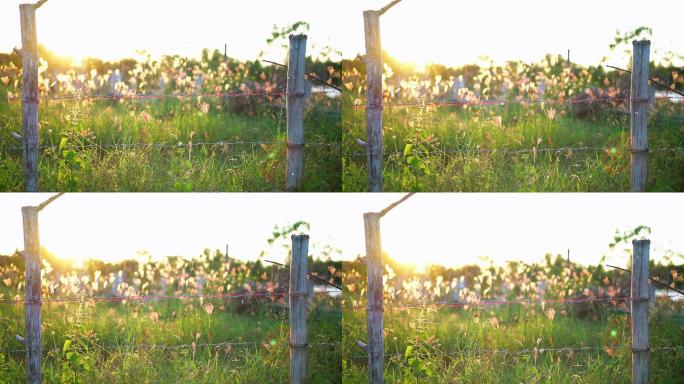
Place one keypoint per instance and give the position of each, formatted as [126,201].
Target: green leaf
[67,344]
[407,149]
[63,143]
[69,155]
[409,349]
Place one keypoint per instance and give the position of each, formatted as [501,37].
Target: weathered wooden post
[32,300]
[295,112]
[34,347]
[374,263]
[298,292]
[639,97]
[375,346]
[29,96]
[639,298]
[373,61]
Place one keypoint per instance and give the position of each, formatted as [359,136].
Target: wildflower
[550,313]
[204,107]
[551,113]
[208,308]
[494,322]
[146,117]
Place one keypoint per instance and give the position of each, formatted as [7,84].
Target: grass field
[441,346]
[102,340]
[439,149]
[547,126]
[157,145]
[438,331]
[230,324]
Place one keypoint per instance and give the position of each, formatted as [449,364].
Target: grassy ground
[418,144]
[82,161]
[88,327]
[441,346]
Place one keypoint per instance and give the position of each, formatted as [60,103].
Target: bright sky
[112,29]
[419,31]
[457,32]
[448,229]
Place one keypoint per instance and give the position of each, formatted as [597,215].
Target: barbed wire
[164,346]
[496,302]
[520,151]
[520,352]
[177,96]
[164,145]
[232,296]
[501,103]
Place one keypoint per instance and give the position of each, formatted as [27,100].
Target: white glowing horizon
[442,229]
[418,32]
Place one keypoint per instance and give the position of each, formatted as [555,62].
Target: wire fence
[502,103]
[520,352]
[149,347]
[487,303]
[510,151]
[133,96]
[170,146]
[296,91]
[321,347]
[376,101]
[420,341]
[100,299]
[434,351]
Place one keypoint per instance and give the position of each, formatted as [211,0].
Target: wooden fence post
[298,292]
[29,96]
[376,345]
[33,293]
[639,298]
[295,112]
[373,60]
[639,96]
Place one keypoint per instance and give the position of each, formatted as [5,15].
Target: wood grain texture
[639,294]
[374,263]
[29,100]
[33,292]
[295,112]
[373,60]
[639,111]
[298,302]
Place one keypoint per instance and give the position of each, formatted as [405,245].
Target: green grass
[420,338]
[77,166]
[415,139]
[89,327]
